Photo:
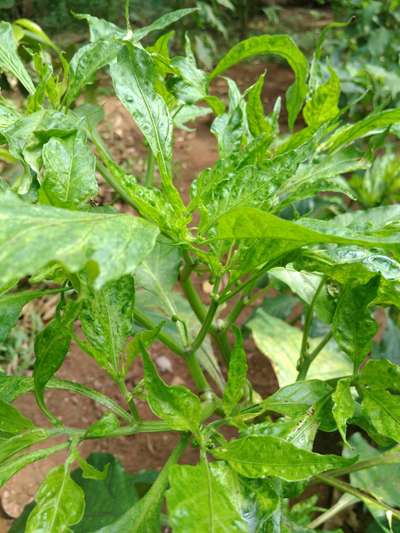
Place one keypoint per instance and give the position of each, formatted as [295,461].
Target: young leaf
[258,124]
[9,468]
[215,505]
[60,503]
[161,23]
[177,405]
[323,104]
[51,347]
[10,309]
[280,45]
[383,409]
[237,375]
[12,421]
[367,126]
[106,499]
[353,326]
[19,442]
[117,243]
[343,405]
[259,456]
[281,343]
[133,76]
[69,177]
[86,62]
[107,322]
[107,423]
[9,59]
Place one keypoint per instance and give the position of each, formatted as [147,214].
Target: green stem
[205,327]
[191,293]
[310,357]
[115,184]
[304,363]
[342,486]
[166,339]
[149,177]
[345,501]
[197,372]
[129,400]
[387,458]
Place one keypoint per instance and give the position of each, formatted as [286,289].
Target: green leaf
[89,471]
[380,375]
[161,23]
[389,346]
[383,409]
[352,325]
[51,347]
[296,399]
[259,456]
[144,516]
[86,62]
[116,243]
[107,499]
[281,343]
[177,405]
[10,309]
[107,322]
[380,481]
[133,76]
[60,503]
[19,442]
[305,284]
[237,375]
[9,468]
[11,387]
[215,504]
[252,223]
[230,128]
[12,421]
[258,124]
[323,104]
[107,424]
[343,405]
[367,126]
[9,59]
[69,171]
[280,45]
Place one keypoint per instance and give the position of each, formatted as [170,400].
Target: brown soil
[193,151]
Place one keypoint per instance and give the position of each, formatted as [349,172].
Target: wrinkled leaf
[116,243]
[9,59]
[259,456]
[343,405]
[280,45]
[60,503]
[215,505]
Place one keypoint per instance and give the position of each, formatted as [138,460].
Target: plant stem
[205,327]
[189,356]
[197,372]
[386,458]
[310,357]
[345,501]
[129,400]
[149,177]
[342,486]
[304,359]
[166,339]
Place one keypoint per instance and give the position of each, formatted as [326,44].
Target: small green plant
[366,53]
[129,281]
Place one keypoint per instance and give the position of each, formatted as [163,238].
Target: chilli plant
[128,280]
